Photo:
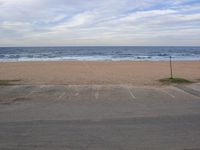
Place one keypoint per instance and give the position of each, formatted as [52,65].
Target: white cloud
[15,25]
[75,21]
[68,22]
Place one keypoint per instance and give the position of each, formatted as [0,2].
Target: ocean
[98,53]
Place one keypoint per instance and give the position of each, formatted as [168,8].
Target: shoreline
[97,72]
[40,61]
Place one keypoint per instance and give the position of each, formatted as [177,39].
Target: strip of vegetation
[8,82]
[175,81]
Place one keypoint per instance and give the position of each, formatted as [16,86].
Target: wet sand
[97,72]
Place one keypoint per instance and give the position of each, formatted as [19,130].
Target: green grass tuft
[7,82]
[175,81]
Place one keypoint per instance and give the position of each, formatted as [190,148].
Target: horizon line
[107,46]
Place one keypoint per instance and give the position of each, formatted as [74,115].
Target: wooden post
[171,70]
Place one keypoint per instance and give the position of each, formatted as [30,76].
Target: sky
[99,22]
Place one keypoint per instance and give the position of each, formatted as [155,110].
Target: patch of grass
[175,81]
[8,82]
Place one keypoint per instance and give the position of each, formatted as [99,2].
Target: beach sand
[97,72]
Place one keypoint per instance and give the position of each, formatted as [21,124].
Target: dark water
[98,53]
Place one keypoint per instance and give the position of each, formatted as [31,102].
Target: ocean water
[110,53]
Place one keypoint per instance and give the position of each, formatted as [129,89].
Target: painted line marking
[60,96]
[30,93]
[96,91]
[130,92]
[96,95]
[195,88]
[182,91]
[26,96]
[168,93]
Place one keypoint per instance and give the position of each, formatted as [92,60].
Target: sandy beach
[97,72]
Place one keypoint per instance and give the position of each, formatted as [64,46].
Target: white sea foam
[98,54]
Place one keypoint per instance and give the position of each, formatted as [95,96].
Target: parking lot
[99,117]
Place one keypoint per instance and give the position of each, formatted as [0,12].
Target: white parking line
[96,94]
[195,88]
[30,93]
[131,93]
[96,91]
[166,92]
[183,92]
[61,95]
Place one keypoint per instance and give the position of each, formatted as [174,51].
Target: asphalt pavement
[102,117]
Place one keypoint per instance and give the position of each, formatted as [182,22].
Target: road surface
[99,117]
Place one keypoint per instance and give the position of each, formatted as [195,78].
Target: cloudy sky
[99,22]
